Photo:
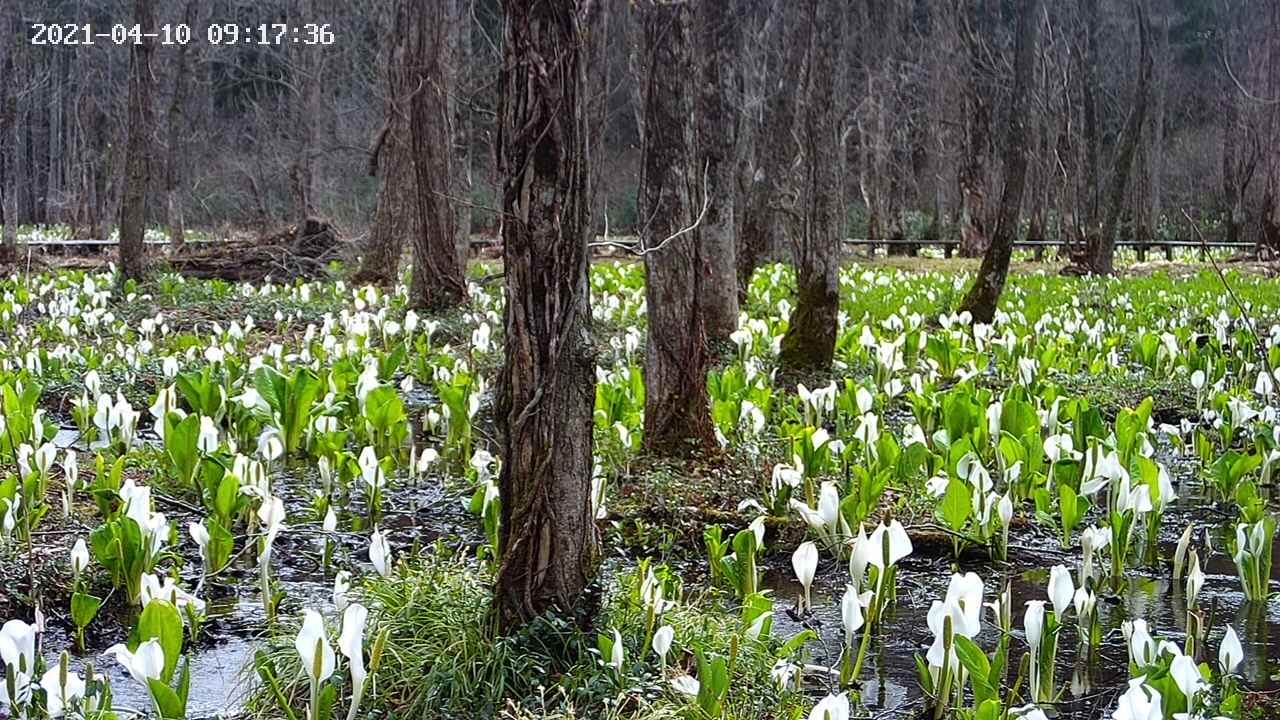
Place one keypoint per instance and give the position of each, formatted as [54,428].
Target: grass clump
[442,656]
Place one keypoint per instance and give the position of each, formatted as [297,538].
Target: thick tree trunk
[811,334]
[546,390]
[396,214]
[1102,247]
[133,203]
[983,297]
[717,139]
[437,282]
[676,407]
[176,161]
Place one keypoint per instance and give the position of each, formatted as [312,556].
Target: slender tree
[137,172]
[175,132]
[718,34]
[676,409]
[546,390]
[1102,247]
[9,129]
[811,333]
[985,293]
[460,96]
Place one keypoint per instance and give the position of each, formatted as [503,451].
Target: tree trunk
[174,147]
[676,407]
[714,175]
[546,390]
[437,282]
[9,137]
[775,151]
[983,297]
[133,203]
[396,215]
[306,75]
[461,97]
[811,334]
[1102,247]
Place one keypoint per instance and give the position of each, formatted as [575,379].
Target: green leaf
[978,665]
[170,705]
[713,684]
[84,608]
[956,504]
[160,620]
[221,544]
[267,672]
[328,695]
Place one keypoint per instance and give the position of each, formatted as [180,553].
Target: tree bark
[307,77]
[133,204]
[176,160]
[983,297]
[1102,247]
[396,214]
[461,96]
[717,139]
[776,150]
[9,135]
[437,282]
[677,414]
[811,334]
[546,390]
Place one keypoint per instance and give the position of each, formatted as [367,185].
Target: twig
[706,205]
[1259,347]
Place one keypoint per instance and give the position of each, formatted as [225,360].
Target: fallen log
[302,251]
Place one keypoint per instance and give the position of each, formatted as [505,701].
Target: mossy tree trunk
[676,413]
[546,390]
[810,340]
[984,295]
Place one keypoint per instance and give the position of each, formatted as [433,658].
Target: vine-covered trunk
[546,390]
[676,407]
[137,170]
[811,334]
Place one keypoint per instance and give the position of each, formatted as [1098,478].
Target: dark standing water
[889,681]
